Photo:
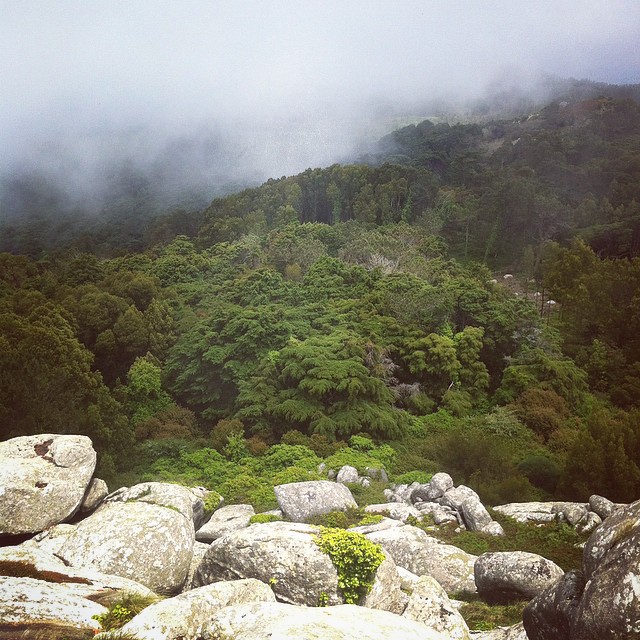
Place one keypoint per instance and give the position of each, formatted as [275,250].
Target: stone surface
[96,493]
[421,554]
[507,575]
[589,523]
[456,497]
[477,518]
[516,632]
[225,519]
[347,474]
[144,542]
[287,622]
[408,580]
[284,555]
[29,607]
[300,501]
[199,549]
[50,540]
[539,512]
[574,513]
[440,514]
[430,605]
[39,564]
[550,615]
[395,510]
[43,480]
[161,494]
[377,473]
[189,614]
[386,592]
[439,484]
[603,507]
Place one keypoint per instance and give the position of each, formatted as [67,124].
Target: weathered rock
[421,554]
[31,562]
[32,608]
[538,512]
[430,605]
[516,632]
[588,524]
[145,542]
[603,507]
[419,494]
[199,549]
[395,510]
[477,518]
[610,603]
[50,540]
[439,484]
[456,497]
[96,493]
[364,482]
[347,474]
[574,513]
[440,514]
[225,519]
[189,614]
[43,480]
[287,622]
[550,615]
[300,501]
[408,580]
[286,556]
[377,473]
[508,575]
[403,492]
[161,494]
[385,523]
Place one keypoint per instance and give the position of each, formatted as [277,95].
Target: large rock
[600,505]
[43,480]
[421,554]
[50,540]
[538,512]
[96,493]
[456,497]
[189,614]
[516,632]
[430,605]
[509,575]
[395,510]
[29,562]
[347,474]
[225,519]
[439,484]
[300,501]
[550,615]
[440,514]
[143,541]
[287,622]
[477,518]
[610,603]
[286,556]
[31,608]
[199,550]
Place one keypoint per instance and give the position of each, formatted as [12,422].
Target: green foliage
[383,456]
[481,616]
[262,518]
[355,558]
[212,502]
[123,610]
[413,476]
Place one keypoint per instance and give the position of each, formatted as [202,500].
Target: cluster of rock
[229,578]
[584,516]
[444,502]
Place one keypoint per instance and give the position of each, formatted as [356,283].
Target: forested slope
[361,300]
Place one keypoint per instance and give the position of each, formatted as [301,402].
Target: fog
[203,96]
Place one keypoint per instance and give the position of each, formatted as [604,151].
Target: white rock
[395,510]
[300,501]
[347,474]
[96,493]
[225,519]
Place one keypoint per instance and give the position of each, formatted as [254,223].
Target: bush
[413,476]
[248,489]
[124,609]
[294,474]
[541,471]
[373,494]
[262,518]
[355,558]
[220,433]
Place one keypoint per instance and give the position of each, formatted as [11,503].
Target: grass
[554,541]
[481,616]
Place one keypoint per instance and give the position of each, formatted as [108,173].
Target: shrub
[361,443]
[373,494]
[413,476]
[262,518]
[124,609]
[294,474]
[355,558]
[248,489]
[541,471]
[220,433]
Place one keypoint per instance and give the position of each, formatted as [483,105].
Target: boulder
[477,518]
[509,575]
[456,497]
[439,484]
[199,549]
[430,605]
[225,519]
[589,523]
[32,608]
[574,513]
[603,507]
[377,473]
[347,474]
[300,501]
[538,512]
[189,614]
[550,615]
[96,493]
[50,540]
[516,632]
[286,556]
[26,562]
[143,541]
[395,510]
[385,523]
[421,554]
[610,603]
[43,480]
[440,514]
[408,580]
[268,621]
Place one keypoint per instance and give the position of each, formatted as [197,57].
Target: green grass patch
[481,616]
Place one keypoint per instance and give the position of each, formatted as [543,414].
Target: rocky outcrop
[96,493]
[511,575]
[516,632]
[430,605]
[264,621]
[395,511]
[286,556]
[603,601]
[32,608]
[421,554]
[300,501]
[133,536]
[189,614]
[43,480]
[225,519]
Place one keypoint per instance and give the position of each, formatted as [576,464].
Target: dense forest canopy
[467,297]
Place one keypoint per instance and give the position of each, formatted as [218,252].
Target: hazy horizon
[201,93]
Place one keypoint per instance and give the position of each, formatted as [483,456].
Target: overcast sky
[71,67]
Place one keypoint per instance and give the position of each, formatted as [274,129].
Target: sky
[292,83]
